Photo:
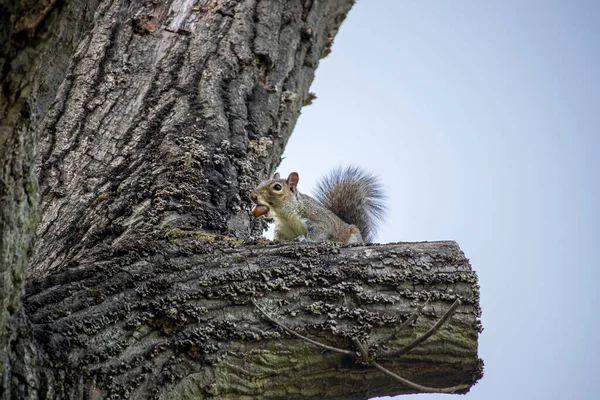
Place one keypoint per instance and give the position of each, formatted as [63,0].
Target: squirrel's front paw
[301,238]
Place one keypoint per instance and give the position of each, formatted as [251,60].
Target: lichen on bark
[153,121]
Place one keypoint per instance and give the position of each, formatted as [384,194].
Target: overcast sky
[483,120]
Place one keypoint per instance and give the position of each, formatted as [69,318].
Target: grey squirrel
[347,209]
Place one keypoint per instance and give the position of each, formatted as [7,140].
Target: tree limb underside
[147,323]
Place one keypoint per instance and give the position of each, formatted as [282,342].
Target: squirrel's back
[355,196]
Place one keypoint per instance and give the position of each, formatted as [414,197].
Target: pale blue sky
[483,120]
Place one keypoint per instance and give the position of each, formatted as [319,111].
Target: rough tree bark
[36,43]
[153,121]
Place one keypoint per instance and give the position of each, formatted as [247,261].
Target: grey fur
[355,196]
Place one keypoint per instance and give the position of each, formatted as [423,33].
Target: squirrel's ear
[292,181]
[276,176]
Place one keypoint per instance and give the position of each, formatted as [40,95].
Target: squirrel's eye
[277,187]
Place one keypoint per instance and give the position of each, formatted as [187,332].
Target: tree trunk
[153,121]
[36,43]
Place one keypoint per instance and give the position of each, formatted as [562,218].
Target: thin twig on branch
[414,315]
[430,332]
[406,323]
[365,354]
[299,336]
[365,357]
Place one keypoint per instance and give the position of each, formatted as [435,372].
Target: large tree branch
[151,320]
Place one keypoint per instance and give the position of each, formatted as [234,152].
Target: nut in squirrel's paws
[258,210]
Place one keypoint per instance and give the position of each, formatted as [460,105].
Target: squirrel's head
[270,196]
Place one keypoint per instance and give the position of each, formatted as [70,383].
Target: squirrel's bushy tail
[355,196]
